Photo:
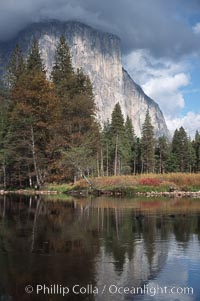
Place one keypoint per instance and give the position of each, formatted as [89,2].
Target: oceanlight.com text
[112,289]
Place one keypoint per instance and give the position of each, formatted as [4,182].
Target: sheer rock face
[99,54]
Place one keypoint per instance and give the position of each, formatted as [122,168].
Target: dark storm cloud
[158,25]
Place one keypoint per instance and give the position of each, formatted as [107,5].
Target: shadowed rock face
[99,54]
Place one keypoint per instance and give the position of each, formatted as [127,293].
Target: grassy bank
[133,184]
[125,185]
[60,188]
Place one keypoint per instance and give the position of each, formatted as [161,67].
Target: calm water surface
[100,245]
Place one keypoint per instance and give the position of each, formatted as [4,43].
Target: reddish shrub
[150,181]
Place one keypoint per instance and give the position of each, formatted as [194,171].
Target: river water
[99,249]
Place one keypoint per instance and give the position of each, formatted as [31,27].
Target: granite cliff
[99,54]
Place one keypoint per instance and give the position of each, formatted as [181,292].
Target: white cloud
[166,91]
[161,79]
[190,122]
[196,28]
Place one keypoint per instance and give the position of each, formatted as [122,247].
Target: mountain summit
[99,55]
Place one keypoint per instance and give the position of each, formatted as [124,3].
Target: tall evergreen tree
[122,148]
[34,60]
[196,145]
[4,124]
[62,73]
[31,118]
[118,139]
[162,154]
[172,163]
[148,145]
[131,145]
[180,148]
[138,155]
[15,68]
[117,121]
[191,156]
[76,124]
[107,148]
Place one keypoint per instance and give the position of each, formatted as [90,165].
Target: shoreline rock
[118,193]
[29,192]
[174,194]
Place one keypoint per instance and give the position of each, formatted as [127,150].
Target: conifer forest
[49,131]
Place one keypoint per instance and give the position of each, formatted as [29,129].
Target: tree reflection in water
[88,242]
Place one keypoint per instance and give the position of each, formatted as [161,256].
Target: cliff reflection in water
[96,242]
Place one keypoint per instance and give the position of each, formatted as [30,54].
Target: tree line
[128,154]
[49,131]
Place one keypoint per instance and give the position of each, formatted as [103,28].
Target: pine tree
[4,123]
[62,73]
[196,145]
[15,68]
[162,153]
[31,118]
[118,138]
[180,148]
[76,126]
[147,145]
[172,163]
[107,147]
[34,60]
[191,156]
[122,149]
[82,121]
[117,121]
[138,155]
[131,145]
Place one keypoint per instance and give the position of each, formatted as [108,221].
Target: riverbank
[144,183]
[29,192]
[116,193]
[154,185]
[149,185]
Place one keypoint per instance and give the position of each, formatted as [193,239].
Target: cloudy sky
[160,43]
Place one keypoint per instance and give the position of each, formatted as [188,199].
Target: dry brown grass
[181,180]
[176,178]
